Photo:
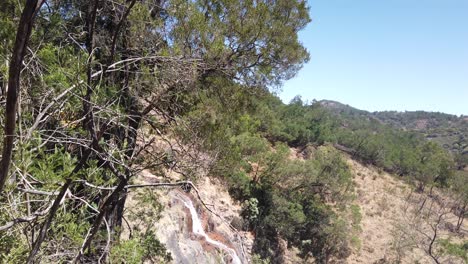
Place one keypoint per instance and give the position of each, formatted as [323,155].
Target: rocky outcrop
[210,238]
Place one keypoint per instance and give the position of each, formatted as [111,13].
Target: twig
[106,249]
[25,219]
[37,192]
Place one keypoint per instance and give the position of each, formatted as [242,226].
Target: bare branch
[25,219]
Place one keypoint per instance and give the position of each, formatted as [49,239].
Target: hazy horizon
[386,55]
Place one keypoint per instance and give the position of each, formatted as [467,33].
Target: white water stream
[197,228]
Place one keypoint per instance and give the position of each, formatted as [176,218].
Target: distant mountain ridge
[450,131]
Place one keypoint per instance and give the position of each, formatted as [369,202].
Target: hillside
[392,222]
[447,130]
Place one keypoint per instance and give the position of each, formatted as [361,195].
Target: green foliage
[292,195]
[128,250]
[250,210]
[9,14]
[285,217]
[356,215]
[143,244]
[256,259]
[154,250]
[282,196]
[447,130]
[366,137]
[147,210]
[217,28]
[459,185]
[12,249]
[52,167]
[70,228]
[435,165]
[454,249]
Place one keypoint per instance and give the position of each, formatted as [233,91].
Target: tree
[459,186]
[435,166]
[100,74]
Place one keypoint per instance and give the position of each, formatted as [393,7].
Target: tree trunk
[16,65]
[130,105]
[431,244]
[461,217]
[422,205]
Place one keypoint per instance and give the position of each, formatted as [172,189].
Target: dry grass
[390,231]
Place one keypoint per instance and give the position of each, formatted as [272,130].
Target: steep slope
[191,232]
[395,221]
[394,227]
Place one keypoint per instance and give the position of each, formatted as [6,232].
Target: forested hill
[450,131]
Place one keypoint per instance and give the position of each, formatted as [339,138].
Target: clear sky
[386,55]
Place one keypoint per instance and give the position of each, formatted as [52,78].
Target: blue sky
[386,55]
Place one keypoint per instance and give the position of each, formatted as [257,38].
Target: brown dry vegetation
[393,226]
